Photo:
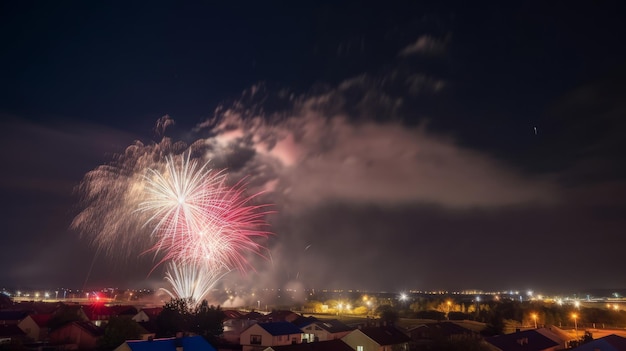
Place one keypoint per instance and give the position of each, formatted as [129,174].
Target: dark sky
[404,146]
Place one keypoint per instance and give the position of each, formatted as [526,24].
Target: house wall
[33,330]
[267,339]
[322,334]
[29,327]
[286,339]
[244,339]
[357,338]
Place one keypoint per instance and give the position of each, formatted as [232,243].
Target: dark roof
[10,330]
[281,316]
[13,315]
[527,340]
[89,327]
[302,321]
[41,319]
[38,307]
[330,345]
[386,335]
[188,343]
[280,328]
[232,314]
[253,315]
[97,311]
[608,343]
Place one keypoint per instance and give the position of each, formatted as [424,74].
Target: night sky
[403,146]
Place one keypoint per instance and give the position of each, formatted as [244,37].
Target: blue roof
[189,343]
[280,328]
[608,343]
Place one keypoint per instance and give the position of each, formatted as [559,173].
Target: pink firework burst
[198,219]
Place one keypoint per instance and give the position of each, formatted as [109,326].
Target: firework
[199,219]
[175,207]
[191,282]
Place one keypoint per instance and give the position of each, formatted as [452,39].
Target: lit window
[359,348]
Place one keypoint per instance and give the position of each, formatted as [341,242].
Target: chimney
[178,342]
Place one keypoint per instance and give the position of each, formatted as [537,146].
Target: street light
[449,303]
[534,315]
[575,316]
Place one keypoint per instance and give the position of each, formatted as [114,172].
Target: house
[330,345]
[608,343]
[234,327]
[35,326]
[186,343]
[382,338]
[557,335]
[147,314]
[82,335]
[317,330]
[259,336]
[527,340]
[98,313]
[280,316]
[236,322]
[65,313]
[147,318]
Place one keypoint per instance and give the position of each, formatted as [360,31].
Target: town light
[575,316]
[534,315]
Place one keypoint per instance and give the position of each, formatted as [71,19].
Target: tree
[174,318]
[208,321]
[118,330]
[388,314]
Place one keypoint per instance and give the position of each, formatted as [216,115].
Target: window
[359,348]
[255,339]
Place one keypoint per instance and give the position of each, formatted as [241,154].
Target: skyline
[416,147]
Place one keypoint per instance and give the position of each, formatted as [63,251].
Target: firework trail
[191,282]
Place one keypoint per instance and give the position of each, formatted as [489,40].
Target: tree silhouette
[118,330]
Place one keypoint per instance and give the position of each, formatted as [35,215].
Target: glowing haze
[305,159]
